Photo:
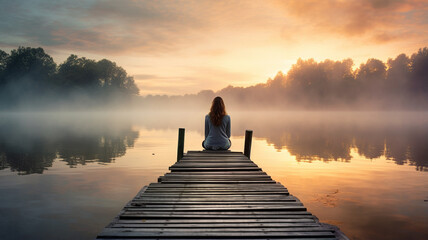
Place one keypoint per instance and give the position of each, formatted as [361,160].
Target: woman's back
[217,137]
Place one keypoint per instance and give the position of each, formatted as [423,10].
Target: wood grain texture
[215,195]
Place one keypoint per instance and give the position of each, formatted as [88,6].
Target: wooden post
[248,139]
[180,148]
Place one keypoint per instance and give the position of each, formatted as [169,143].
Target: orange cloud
[379,20]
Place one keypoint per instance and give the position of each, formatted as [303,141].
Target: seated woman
[217,127]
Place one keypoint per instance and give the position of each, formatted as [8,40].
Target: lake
[67,175]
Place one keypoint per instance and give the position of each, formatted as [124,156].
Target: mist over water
[79,137]
[63,163]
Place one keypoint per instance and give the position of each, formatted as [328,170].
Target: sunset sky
[179,47]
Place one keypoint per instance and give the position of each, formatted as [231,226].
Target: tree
[113,78]
[398,77]
[28,69]
[3,59]
[102,77]
[371,77]
[78,74]
[320,84]
[419,71]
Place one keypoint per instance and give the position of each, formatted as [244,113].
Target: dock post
[180,148]
[248,139]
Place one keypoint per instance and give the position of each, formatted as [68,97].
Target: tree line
[398,83]
[401,82]
[29,76]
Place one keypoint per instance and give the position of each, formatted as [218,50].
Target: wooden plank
[215,238]
[217,181]
[218,225]
[215,159]
[233,191]
[176,169]
[202,206]
[223,156]
[136,215]
[227,173]
[213,207]
[216,221]
[223,197]
[235,208]
[181,175]
[202,213]
[215,194]
[217,177]
[214,164]
[136,232]
[167,190]
[229,229]
[239,193]
[266,187]
[223,194]
[196,199]
[185,203]
[232,186]
[216,153]
[218,238]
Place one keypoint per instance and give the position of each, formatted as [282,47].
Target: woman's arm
[228,128]
[207,126]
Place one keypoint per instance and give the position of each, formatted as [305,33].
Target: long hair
[218,111]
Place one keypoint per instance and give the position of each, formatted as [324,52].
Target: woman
[217,127]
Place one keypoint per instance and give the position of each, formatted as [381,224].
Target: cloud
[128,27]
[378,20]
[160,27]
[98,26]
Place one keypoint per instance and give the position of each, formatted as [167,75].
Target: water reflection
[30,145]
[102,148]
[331,137]
[325,136]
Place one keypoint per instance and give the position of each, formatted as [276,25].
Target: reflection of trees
[319,137]
[309,144]
[35,152]
[369,141]
[34,157]
[409,147]
[324,136]
[29,162]
[105,149]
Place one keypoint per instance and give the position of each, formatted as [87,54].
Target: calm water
[65,176]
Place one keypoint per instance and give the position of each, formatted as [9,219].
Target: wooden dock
[215,195]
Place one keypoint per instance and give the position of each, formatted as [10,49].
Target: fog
[29,142]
